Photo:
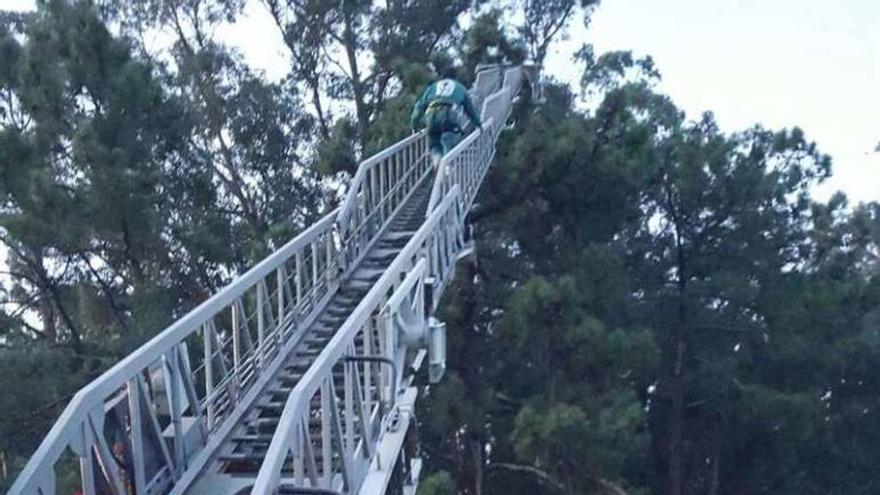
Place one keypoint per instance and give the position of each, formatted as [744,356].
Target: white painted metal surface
[174,412]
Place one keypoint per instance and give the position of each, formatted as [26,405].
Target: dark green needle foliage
[655,305]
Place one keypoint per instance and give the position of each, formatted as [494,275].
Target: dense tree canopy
[684,318]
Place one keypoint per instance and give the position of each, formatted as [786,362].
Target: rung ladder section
[467,163]
[350,389]
[382,183]
[339,417]
[237,460]
[144,423]
[292,377]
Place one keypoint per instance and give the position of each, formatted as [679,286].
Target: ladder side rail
[470,154]
[487,81]
[182,382]
[497,107]
[370,227]
[471,157]
[446,222]
[512,78]
[445,178]
[362,189]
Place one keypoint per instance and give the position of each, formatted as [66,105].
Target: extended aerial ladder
[298,377]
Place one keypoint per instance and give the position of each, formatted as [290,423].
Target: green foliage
[116,214]
[440,483]
[657,306]
[547,19]
[659,234]
[486,42]
[558,434]
[38,381]
[337,153]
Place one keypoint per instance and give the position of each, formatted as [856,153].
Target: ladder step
[243,452]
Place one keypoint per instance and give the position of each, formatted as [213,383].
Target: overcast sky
[780,63]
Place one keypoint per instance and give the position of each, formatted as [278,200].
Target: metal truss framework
[158,420]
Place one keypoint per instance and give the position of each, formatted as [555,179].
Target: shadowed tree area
[656,306]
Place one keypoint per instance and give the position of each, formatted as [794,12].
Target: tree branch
[540,475]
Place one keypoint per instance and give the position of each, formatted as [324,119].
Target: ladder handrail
[488,79]
[467,163]
[358,182]
[443,181]
[305,273]
[454,188]
[68,430]
[298,401]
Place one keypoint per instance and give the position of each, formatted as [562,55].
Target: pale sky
[780,63]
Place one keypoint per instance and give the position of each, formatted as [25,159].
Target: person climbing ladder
[436,110]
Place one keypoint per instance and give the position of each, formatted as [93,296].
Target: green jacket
[447,91]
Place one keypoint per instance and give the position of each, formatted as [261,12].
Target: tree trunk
[319,108]
[357,85]
[304,65]
[53,302]
[477,458]
[677,350]
[714,482]
[205,85]
[676,413]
